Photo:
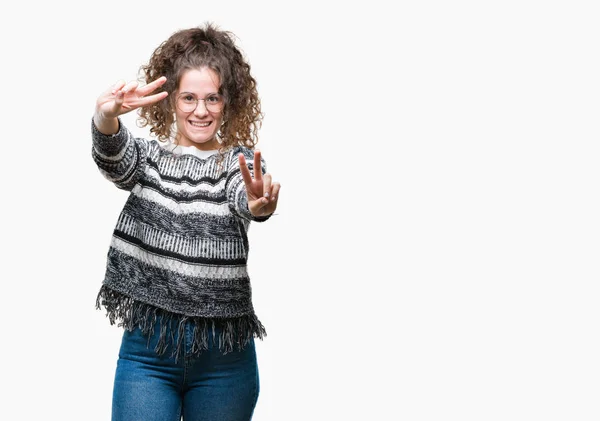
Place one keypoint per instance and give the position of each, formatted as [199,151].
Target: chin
[206,142]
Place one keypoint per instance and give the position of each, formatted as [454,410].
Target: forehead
[199,81]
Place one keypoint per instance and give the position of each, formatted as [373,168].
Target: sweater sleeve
[235,187]
[120,157]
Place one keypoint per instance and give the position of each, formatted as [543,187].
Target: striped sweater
[180,246]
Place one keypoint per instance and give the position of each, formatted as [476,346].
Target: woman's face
[198,127]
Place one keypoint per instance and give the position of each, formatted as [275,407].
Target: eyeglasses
[187,102]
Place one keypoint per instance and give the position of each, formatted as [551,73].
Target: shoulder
[233,153]
[236,150]
[248,153]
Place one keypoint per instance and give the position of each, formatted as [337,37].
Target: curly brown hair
[196,48]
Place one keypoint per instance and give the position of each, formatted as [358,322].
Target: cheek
[178,116]
[218,120]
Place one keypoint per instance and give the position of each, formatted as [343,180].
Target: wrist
[106,126]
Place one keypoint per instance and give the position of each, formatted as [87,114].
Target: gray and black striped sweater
[180,247]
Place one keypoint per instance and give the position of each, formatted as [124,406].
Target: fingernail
[266,194]
[273,199]
[265,201]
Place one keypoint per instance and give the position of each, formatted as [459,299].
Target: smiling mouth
[200,125]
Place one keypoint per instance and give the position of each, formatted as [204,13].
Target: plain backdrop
[435,252]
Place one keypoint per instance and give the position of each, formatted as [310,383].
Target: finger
[267,185]
[118,102]
[117,86]
[275,192]
[152,99]
[257,207]
[244,169]
[257,169]
[130,86]
[152,86]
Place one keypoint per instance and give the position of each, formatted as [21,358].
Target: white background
[435,252]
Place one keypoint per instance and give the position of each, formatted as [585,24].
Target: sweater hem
[129,313]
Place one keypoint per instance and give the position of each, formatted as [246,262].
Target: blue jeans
[213,386]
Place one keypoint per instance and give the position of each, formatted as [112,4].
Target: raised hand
[262,192]
[122,98]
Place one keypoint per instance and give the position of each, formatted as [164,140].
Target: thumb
[118,103]
[256,207]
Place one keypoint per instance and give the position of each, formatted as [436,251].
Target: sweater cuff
[243,203]
[109,145]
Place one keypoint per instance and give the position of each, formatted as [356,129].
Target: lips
[200,124]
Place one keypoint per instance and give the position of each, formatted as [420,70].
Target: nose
[201,109]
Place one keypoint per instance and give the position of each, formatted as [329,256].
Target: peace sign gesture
[122,98]
[262,192]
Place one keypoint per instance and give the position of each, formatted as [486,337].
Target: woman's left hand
[262,192]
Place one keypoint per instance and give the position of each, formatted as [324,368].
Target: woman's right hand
[122,98]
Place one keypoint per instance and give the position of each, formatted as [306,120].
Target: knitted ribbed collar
[188,150]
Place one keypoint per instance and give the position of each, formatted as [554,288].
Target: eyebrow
[192,93]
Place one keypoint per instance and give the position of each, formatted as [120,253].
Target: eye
[213,99]
[188,98]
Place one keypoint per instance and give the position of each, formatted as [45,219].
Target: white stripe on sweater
[176,265]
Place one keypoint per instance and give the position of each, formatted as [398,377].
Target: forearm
[119,156]
[235,186]
[112,144]
[238,199]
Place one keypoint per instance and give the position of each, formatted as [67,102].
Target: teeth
[193,123]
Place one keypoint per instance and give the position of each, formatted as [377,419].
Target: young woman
[176,276]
